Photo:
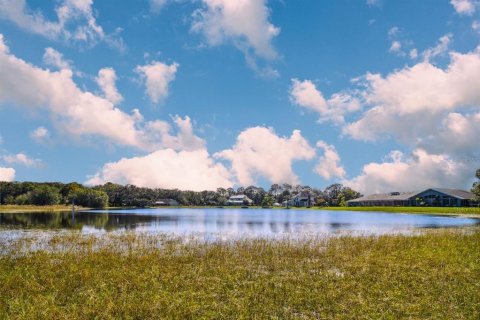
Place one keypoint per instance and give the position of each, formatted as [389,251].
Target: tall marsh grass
[435,275]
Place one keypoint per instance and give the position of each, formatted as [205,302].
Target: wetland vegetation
[435,274]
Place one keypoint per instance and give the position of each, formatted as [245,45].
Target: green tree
[44,195]
[91,198]
[267,201]
[476,186]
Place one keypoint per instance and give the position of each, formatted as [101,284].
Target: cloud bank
[259,152]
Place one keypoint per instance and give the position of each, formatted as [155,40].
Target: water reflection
[235,222]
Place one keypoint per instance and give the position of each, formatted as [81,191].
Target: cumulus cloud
[415,105]
[186,170]
[7,174]
[433,110]
[224,21]
[259,152]
[55,59]
[40,134]
[75,21]
[22,159]
[157,77]
[306,95]
[76,112]
[464,7]
[413,172]
[329,166]
[185,139]
[106,81]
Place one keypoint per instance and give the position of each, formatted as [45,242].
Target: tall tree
[476,186]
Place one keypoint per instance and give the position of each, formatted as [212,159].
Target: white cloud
[413,54]
[435,111]
[159,131]
[329,165]
[259,152]
[245,24]
[224,20]
[456,134]
[22,159]
[399,44]
[305,94]
[464,7]
[157,5]
[7,174]
[157,76]
[476,26]
[418,171]
[440,49]
[396,47]
[40,134]
[76,112]
[55,59]
[413,103]
[106,81]
[186,170]
[75,20]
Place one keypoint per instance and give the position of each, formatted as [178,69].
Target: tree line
[116,195]
[476,186]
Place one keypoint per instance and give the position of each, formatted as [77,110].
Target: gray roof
[457,193]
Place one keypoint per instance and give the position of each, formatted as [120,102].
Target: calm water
[230,223]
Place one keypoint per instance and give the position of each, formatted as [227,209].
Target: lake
[225,223]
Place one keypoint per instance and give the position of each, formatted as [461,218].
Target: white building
[239,200]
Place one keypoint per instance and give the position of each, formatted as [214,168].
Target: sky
[379,95]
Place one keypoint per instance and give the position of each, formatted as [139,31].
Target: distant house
[302,199]
[239,200]
[437,197]
[166,202]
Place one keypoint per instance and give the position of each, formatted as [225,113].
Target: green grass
[13,208]
[435,275]
[429,210]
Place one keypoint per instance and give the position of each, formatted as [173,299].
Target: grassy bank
[427,210]
[7,208]
[430,276]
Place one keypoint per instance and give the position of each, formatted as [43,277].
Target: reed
[433,275]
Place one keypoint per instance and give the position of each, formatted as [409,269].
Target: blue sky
[379,95]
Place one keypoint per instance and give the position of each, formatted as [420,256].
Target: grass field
[435,275]
[7,208]
[430,210]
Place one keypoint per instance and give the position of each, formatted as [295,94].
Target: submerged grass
[435,275]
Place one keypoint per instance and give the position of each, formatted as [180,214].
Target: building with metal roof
[440,197]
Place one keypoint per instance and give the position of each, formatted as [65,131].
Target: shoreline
[467,212]
[6,208]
